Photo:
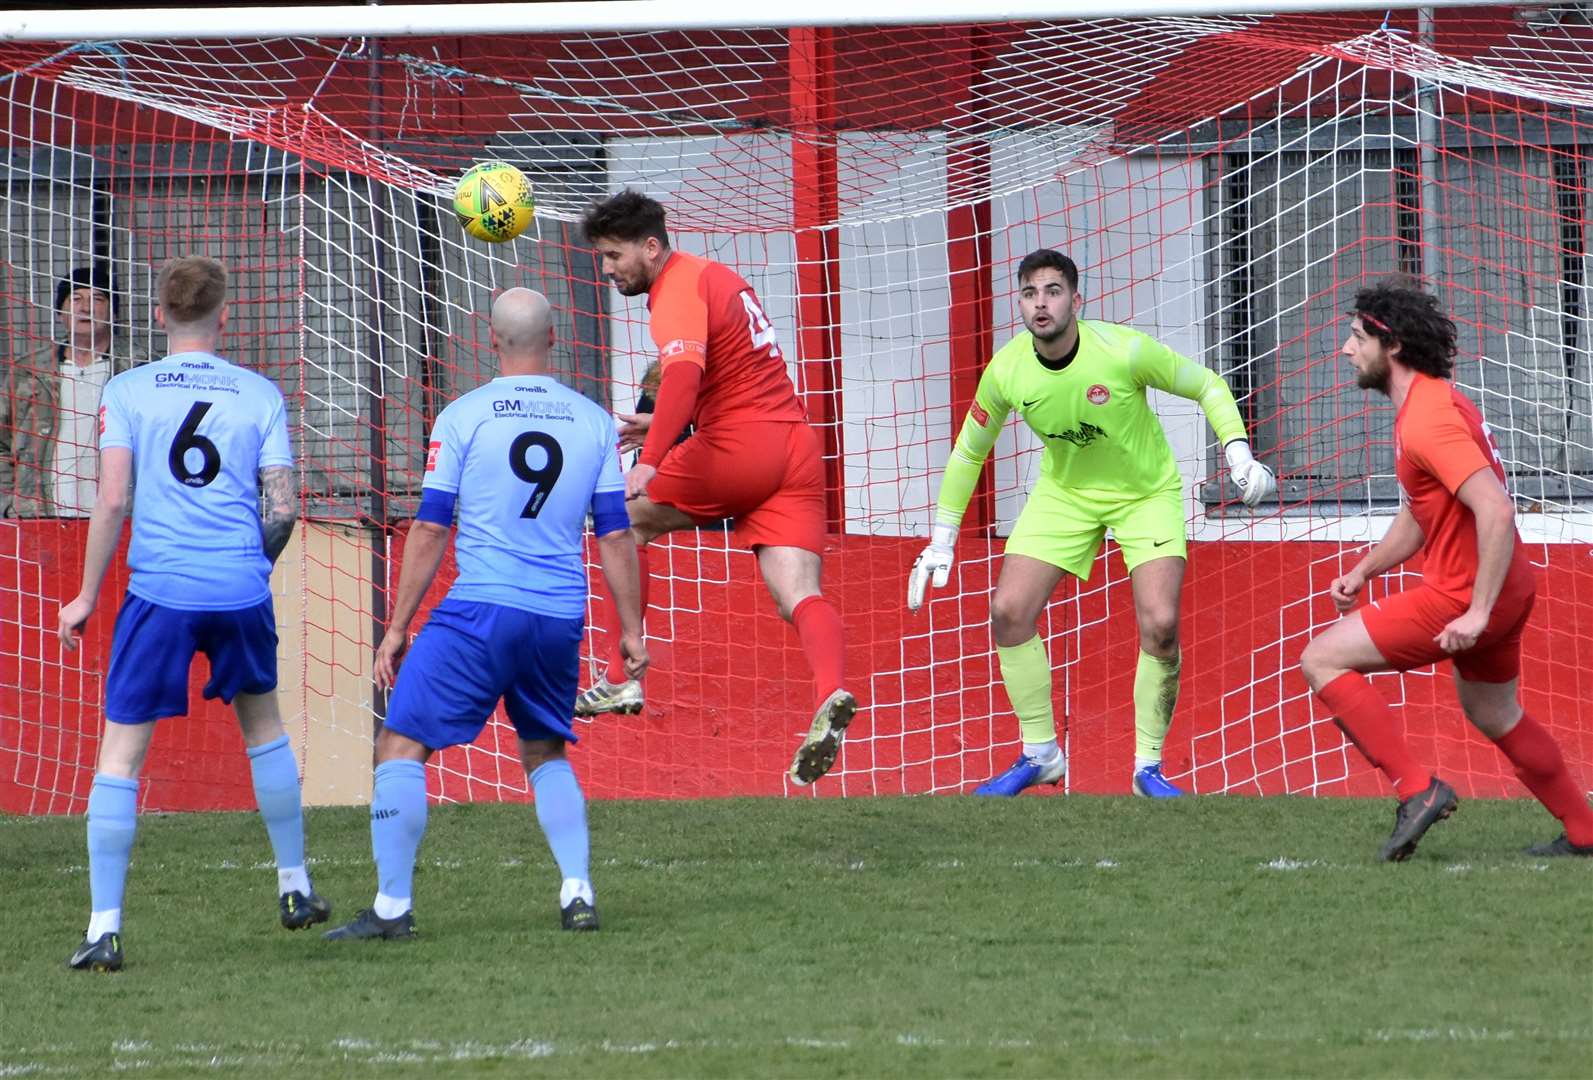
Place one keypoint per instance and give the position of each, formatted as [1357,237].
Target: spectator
[644,404]
[49,404]
[649,396]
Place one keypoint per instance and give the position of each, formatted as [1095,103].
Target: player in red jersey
[752,458]
[1477,585]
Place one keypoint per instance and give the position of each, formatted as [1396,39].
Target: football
[493,201]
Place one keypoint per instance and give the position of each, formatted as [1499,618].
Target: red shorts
[1404,625]
[768,477]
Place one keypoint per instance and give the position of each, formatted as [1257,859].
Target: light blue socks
[561,811]
[276,792]
[398,821]
[112,820]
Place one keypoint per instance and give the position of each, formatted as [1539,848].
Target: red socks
[1369,722]
[1366,718]
[616,662]
[1536,756]
[818,624]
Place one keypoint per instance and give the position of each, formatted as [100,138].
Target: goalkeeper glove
[935,560]
[1253,479]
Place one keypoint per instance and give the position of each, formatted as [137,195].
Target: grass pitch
[870,937]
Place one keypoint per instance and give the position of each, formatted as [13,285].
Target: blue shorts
[153,648]
[468,655]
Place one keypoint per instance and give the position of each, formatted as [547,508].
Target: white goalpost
[1226,180]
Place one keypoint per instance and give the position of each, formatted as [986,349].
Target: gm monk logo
[1080,436]
[197,381]
[432,449]
[981,417]
[1098,394]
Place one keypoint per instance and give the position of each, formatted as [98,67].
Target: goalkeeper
[1080,386]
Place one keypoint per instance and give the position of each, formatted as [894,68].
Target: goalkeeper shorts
[768,476]
[1404,627]
[1065,527]
[470,654]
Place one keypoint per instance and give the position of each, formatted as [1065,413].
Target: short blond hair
[192,289]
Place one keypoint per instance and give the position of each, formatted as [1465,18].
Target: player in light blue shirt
[201,438]
[522,460]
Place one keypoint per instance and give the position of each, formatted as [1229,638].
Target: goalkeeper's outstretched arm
[974,443]
[1157,365]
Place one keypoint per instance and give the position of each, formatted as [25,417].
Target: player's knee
[786,602]
[391,746]
[1317,666]
[1493,719]
[122,752]
[535,753]
[1011,623]
[1158,635]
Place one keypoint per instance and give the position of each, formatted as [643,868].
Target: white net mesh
[1226,184]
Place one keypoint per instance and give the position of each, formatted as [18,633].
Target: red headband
[1365,318]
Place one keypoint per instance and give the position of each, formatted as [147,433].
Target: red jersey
[703,313]
[1440,441]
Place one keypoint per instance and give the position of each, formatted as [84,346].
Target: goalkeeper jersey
[1100,433]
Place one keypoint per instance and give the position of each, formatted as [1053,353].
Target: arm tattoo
[279,508]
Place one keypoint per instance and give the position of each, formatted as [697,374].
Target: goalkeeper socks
[276,793]
[112,810]
[561,811]
[1026,670]
[1155,697]
[1539,764]
[398,821]
[1370,724]
[818,624]
[616,659]
[1042,753]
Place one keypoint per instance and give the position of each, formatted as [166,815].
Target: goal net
[1226,183]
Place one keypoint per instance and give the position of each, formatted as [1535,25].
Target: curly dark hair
[628,216]
[1049,259]
[1397,311]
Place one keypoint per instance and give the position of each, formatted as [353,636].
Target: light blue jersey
[200,430]
[525,457]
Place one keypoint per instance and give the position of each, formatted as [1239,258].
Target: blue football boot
[1150,783]
[1024,773]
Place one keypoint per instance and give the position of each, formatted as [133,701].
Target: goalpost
[1226,182]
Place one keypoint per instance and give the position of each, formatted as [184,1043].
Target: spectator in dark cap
[49,403]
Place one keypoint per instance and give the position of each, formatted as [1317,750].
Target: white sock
[1141,762]
[102,923]
[390,907]
[572,888]
[292,879]
[1042,753]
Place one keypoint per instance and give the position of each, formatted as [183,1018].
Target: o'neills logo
[1098,394]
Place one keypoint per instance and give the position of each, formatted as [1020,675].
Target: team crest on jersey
[1098,394]
[432,450]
